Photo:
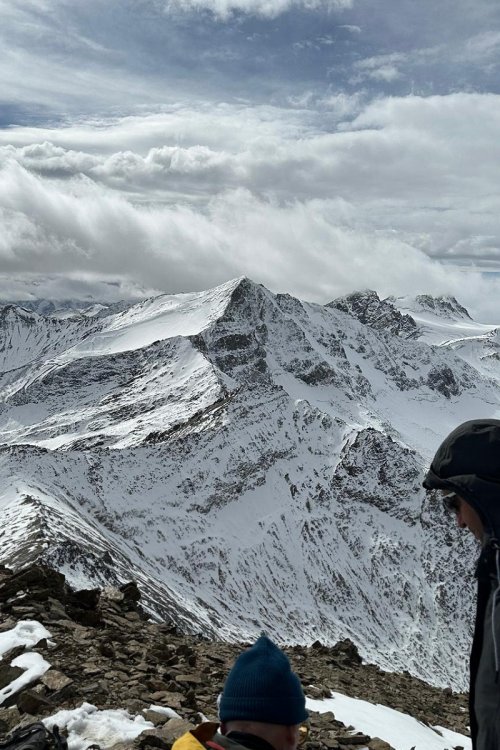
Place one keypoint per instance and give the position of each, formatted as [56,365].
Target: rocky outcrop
[445,306]
[104,650]
[379,314]
[442,380]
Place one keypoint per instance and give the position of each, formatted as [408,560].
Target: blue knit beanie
[262,687]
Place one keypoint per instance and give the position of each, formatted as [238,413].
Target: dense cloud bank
[396,194]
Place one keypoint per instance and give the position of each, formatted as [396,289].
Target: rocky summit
[104,649]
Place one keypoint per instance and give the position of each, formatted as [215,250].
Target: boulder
[55,680]
[31,702]
[164,736]
[377,744]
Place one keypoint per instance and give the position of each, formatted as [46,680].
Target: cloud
[64,60]
[223,9]
[351,27]
[380,67]
[400,196]
[385,73]
[483,48]
[188,141]
[53,229]
[84,288]
[433,154]
[185,124]
[464,56]
[311,248]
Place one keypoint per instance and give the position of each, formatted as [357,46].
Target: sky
[316,146]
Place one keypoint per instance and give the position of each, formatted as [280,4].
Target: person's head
[466,468]
[262,696]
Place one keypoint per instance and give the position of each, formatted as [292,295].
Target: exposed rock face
[445,306]
[379,314]
[104,650]
[441,379]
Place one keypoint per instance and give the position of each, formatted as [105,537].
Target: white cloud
[304,248]
[436,153]
[462,53]
[483,46]
[351,27]
[266,8]
[380,67]
[385,73]
[184,125]
[78,286]
[204,194]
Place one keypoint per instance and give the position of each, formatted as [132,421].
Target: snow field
[399,730]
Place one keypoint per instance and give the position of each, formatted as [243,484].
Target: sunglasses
[303,734]
[451,503]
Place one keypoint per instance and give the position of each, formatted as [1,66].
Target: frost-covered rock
[382,315]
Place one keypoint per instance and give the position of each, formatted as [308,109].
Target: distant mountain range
[252,460]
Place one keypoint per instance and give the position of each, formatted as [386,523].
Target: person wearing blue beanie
[262,687]
[262,706]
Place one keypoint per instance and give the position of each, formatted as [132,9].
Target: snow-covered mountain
[254,461]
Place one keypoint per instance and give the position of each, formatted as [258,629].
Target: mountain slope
[255,462]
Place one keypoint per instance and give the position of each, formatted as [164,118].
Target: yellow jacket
[206,737]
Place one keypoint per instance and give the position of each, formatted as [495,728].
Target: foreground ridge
[103,650]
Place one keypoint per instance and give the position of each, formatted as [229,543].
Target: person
[466,469]
[262,706]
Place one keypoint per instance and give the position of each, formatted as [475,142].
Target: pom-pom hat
[262,687]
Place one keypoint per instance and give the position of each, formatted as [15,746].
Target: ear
[292,735]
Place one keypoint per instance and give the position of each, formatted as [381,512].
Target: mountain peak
[11,311]
[63,310]
[443,306]
[369,309]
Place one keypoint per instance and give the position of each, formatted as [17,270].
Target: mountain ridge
[256,467]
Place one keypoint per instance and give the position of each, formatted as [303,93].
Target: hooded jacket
[468,463]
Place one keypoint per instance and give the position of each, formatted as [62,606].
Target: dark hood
[468,462]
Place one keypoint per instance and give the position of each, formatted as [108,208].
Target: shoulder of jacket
[197,738]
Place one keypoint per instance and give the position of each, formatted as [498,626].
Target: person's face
[467,517]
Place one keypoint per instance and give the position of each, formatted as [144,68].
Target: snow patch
[165,710]
[87,725]
[25,633]
[398,729]
[33,664]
